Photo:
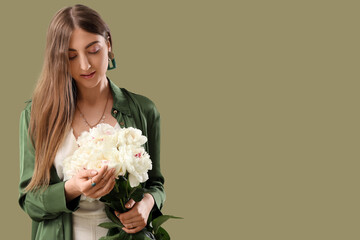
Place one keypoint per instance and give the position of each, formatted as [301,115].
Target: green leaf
[160,220]
[162,234]
[113,231]
[137,195]
[143,235]
[112,216]
[109,225]
[122,186]
[124,235]
[115,237]
[116,205]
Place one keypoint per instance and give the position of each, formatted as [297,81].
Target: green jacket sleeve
[50,203]
[155,184]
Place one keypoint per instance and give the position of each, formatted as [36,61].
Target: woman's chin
[88,83]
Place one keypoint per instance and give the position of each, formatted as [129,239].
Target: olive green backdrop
[259,103]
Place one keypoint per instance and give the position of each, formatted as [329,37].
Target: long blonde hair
[54,97]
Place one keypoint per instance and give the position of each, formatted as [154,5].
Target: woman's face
[88,57]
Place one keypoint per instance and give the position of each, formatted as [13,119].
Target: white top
[87,210]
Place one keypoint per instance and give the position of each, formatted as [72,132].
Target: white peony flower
[137,165]
[131,136]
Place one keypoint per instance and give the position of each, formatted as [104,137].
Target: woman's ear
[108,44]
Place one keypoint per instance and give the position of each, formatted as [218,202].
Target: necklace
[102,119]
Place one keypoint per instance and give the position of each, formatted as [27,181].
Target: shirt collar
[120,102]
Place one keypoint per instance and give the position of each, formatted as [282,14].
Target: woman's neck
[90,96]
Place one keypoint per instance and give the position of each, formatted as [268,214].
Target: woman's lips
[88,76]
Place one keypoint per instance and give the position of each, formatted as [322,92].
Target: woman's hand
[135,219]
[82,183]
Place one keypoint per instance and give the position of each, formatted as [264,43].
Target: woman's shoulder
[25,113]
[27,107]
[146,104]
[143,100]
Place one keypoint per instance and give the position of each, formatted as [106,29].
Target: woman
[73,94]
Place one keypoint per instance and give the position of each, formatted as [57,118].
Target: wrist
[71,190]
[150,199]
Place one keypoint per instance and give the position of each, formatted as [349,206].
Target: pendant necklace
[102,119]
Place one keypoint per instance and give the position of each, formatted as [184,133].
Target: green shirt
[50,213]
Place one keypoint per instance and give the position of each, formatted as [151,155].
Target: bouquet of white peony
[123,150]
[120,149]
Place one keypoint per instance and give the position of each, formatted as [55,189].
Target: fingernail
[93,172]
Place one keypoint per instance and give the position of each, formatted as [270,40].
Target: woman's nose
[84,63]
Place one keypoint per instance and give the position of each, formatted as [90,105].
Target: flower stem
[132,191]
[127,189]
[122,205]
[116,188]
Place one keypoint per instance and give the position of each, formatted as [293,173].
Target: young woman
[73,94]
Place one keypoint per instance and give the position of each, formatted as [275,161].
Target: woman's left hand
[135,219]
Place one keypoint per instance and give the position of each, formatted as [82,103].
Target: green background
[259,102]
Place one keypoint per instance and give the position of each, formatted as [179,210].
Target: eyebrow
[71,49]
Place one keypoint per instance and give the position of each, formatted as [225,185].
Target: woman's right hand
[81,183]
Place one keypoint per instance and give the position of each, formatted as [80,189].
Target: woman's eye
[72,57]
[95,51]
